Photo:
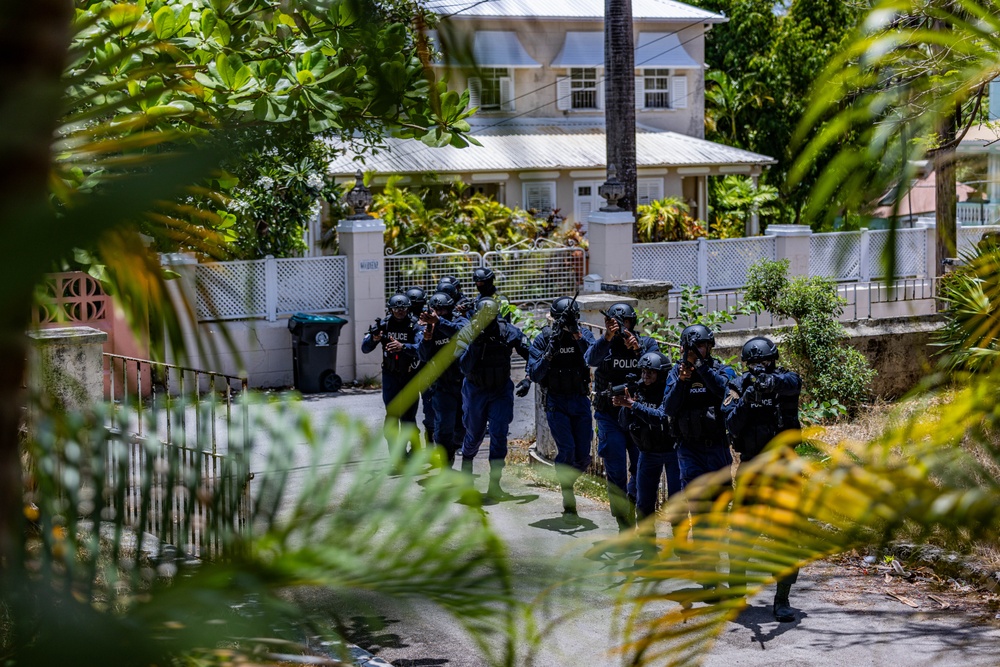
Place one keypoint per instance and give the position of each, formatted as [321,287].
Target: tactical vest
[613,370]
[653,438]
[767,416]
[492,369]
[568,372]
[405,332]
[451,378]
[700,420]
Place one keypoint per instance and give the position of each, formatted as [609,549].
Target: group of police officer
[652,415]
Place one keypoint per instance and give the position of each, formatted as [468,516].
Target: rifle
[617,318]
[567,319]
[378,327]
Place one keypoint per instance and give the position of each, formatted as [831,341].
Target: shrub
[691,311]
[816,346]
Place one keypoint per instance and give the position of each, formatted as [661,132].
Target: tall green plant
[667,220]
[691,310]
[817,345]
[735,199]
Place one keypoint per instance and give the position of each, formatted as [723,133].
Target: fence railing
[177,456]
[527,273]
[268,288]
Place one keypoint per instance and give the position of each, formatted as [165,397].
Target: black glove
[522,387]
[550,348]
[765,384]
[750,392]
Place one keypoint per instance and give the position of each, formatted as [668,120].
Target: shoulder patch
[732,396]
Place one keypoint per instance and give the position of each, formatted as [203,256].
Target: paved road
[835,629]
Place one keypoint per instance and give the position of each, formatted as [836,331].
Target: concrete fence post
[271,288]
[610,234]
[362,241]
[930,245]
[865,267]
[703,264]
[68,364]
[792,243]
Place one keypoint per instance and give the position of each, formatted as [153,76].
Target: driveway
[842,621]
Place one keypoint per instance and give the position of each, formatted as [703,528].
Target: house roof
[492,48]
[657,10]
[544,144]
[920,199]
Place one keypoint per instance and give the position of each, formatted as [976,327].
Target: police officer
[642,417]
[761,403]
[483,278]
[557,364]
[488,392]
[692,400]
[453,286]
[398,336]
[615,355]
[418,300]
[440,325]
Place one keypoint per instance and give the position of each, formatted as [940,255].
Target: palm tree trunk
[945,184]
[34,37]
[619,104]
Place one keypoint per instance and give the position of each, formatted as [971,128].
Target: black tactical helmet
[488,305]
[560,305]
[449,288]
[624,311]
[696,333]
[398,301]
[759,349]
[417,297]
[441,300]
[452,280]
[654,361]
[482,275]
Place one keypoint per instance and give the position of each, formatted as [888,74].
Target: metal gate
[177,455]
[424,264]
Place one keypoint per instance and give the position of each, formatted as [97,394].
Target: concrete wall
[899,349]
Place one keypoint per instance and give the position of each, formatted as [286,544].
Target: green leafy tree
[817,345]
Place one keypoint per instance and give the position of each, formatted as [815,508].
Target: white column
[361,240]
[865,256]
[793,243]
[930,246]
[753,224]
[703,264]
[993,176]
[610,235]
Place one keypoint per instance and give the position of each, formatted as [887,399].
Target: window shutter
[506,93]
[475,91]
[679,92]
[600,87]
[539,196]
[648,190]
[640,90]
[564,100]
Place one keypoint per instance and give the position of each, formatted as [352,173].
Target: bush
[691,311]
[816,347]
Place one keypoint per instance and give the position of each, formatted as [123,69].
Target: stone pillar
[793,243]
[361,239]
[753,224]
[182,293]
[68,364]
[610,237]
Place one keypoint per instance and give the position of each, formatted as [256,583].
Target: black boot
[467,465]
[783,612]
[494,492]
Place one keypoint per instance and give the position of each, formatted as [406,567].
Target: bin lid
[317,319]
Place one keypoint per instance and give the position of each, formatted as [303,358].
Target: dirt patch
[859,582]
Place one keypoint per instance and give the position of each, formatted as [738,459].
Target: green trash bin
[314,352]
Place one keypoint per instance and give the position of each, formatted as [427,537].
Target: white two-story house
[538,84]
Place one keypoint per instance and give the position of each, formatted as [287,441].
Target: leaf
[164,23]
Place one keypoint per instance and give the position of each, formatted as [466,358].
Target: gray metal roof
[581,49]
[544,150]
[662,10]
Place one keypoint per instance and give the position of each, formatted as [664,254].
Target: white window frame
[579,81]
[542,189]
[504,83]
[656,81]
[676,90]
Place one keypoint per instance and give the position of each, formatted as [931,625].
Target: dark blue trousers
[427,398]
[487,408]
[392,385]
[651,467]
[447,404]
[572,428]
[698,459]
[621,456]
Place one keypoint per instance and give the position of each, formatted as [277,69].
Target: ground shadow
[510,498]
[421,662]
[370,633]
[566,525]
[756,617]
